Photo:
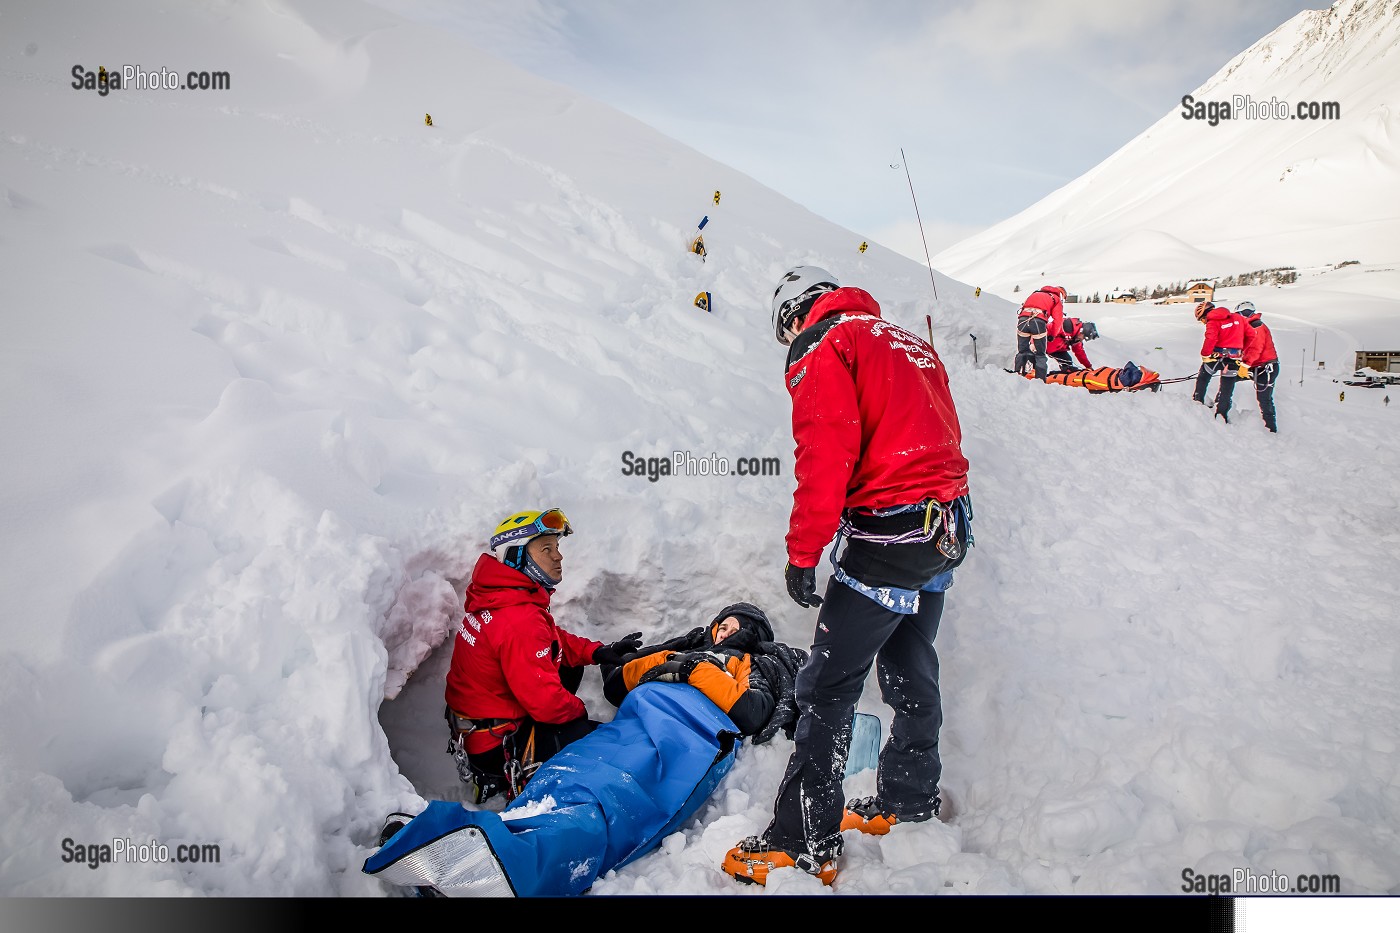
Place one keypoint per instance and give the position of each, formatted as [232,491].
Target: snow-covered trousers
[1031,338]
[1264,376]
[853,631]
[1228,369]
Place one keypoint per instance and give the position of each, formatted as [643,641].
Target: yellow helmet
[522,526]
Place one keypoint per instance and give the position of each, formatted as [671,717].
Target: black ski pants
[1225,395]
[853,632]
[549,738]
[1030,346]
[1264,376]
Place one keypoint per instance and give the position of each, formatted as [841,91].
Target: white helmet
[1246,308]
[793,297]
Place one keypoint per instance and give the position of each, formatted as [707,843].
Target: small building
[1200,291]
[1382,361]
[1127,298]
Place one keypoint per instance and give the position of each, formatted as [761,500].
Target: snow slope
[1186,199]
[276,359]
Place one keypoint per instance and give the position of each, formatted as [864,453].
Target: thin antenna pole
[905,163]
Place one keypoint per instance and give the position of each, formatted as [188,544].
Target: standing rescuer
[1040,320]
[1262,361]
[1221,353]
[879,462]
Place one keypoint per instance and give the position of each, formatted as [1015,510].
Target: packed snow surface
[277,358]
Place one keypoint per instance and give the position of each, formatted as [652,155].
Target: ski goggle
[548,522]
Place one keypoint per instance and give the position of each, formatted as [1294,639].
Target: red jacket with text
[1258,343]
[1224,331]
[873,419]
[1046,304]
[506,658]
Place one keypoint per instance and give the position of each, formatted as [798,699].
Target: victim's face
[726,628]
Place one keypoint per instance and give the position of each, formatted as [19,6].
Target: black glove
[614,653]
[678,667]
[802,585]
[667,672]
[692,659]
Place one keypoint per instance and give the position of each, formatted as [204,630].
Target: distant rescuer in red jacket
[879,462]
[1262,360]
[511,690]
[1072,337]
[1220,353]
[1040,320]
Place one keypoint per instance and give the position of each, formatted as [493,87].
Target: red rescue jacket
[506,658]
[1258,343]
[1072,336]
[1046,304]
[872,417]
[1224,331]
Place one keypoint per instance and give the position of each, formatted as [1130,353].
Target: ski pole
[921,224]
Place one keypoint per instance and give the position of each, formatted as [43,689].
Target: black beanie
[750,618]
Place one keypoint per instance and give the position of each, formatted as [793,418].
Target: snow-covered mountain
[276,359]
[1190,199]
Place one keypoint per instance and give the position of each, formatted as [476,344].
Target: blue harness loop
[905,602]
[894,598]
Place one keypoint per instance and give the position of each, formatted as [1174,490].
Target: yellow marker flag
[978,293]
[428,119]
[863,246]
[716,197]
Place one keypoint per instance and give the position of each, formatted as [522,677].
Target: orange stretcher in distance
[1107,379]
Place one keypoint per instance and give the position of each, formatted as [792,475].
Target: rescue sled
[1128,378]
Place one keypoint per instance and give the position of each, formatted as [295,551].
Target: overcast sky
[996,103]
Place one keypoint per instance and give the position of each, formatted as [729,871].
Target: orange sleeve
[635,669]
[722,687]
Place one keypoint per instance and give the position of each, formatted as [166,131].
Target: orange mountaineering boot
[866,815]
[752,859]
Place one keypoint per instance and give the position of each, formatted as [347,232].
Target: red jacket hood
[841,301]
[495,585]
